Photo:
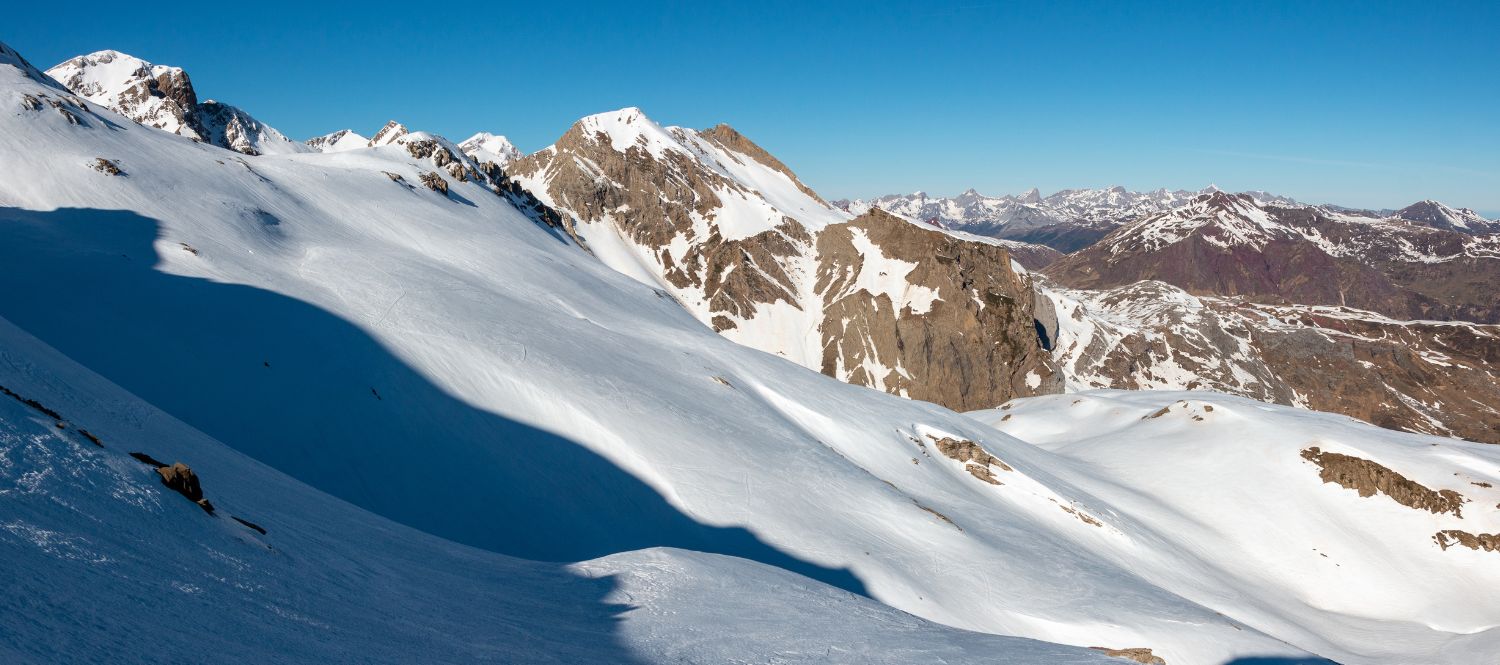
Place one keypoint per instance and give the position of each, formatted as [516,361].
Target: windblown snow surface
[442,362]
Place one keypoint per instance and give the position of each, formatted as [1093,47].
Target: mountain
[338,141]
[1418,376]
[487,147]
[1439,216]
[404,390]
[163,97]
[1068,220]
[1236,245]
[718,224]
[278,571]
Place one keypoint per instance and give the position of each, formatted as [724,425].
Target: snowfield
[422,396]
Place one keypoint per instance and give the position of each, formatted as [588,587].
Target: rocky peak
[153,95]
[338,141]
[1030,196]
[493,148]
[727,230]
[390,133]
[1437,215]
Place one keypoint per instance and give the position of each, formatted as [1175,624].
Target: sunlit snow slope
[438,359]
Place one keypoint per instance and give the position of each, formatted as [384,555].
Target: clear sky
[1363,103]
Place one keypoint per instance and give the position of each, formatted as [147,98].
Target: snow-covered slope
[379,328]
[163,97]
[1321,514]
[280,572]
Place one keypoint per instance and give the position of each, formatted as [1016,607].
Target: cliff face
[732,233]
[957,330]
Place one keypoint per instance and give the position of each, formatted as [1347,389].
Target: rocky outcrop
[1369,479]
[1488,542]
[1138,654]
[976,460]
[107,166]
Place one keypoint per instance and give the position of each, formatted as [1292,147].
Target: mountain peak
[487,147]
[390,133]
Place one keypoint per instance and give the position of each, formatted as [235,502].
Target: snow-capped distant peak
[487,147]
[338,141]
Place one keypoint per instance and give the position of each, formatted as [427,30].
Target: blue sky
[1362,103]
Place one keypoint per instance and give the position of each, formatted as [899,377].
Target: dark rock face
[1229,245]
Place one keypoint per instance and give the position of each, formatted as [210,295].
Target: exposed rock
[107,167]
[388,134]
[1369,479]
[435,182]
[972,344]
[1489,542]
[1137,654]
[737,143]
[181,479]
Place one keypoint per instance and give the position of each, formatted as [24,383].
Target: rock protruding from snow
[390,133]
[163,97]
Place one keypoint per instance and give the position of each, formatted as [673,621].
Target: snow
[98,553]
[881,275]
[487,147]
[339,141]
[474,397]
